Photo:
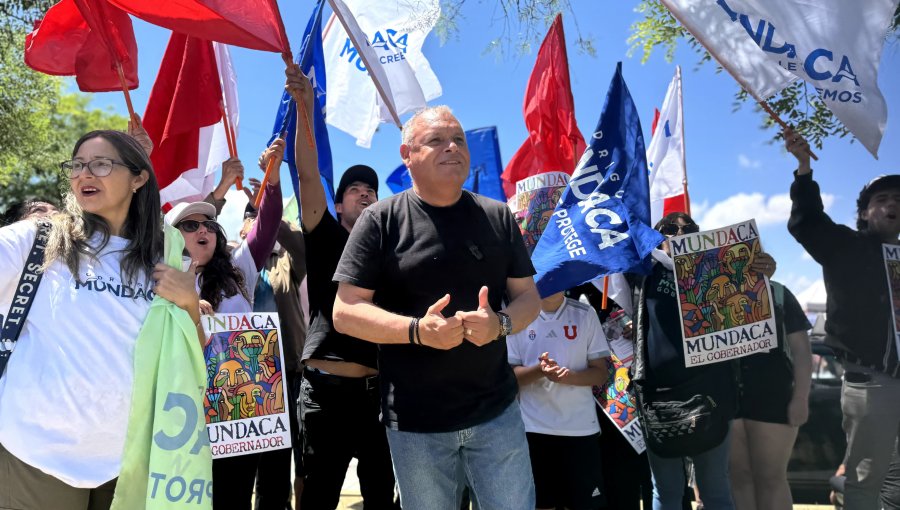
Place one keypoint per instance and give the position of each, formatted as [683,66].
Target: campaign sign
[892,267]
[726,308]
[245,391]
[534,202]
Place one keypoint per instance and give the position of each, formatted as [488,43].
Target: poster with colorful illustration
[245,391]
[617,401]
[615,397]
[892,267]
[726,309]
[533,204]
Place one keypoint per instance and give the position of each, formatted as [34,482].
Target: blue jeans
[711,468]
[490,458]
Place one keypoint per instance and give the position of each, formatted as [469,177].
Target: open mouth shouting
[88,191]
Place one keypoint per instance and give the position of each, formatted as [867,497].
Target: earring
[134,190]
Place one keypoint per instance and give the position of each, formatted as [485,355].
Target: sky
[734,172]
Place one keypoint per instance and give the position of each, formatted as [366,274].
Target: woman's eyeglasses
[193,225]
[100,167]
[672,229]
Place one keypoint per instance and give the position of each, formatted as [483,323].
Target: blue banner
[312,63]
[601,226]
[484,171]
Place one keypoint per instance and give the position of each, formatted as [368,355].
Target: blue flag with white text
[484,171]
[312,63]
[600,225]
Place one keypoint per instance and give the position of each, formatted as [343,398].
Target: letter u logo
[574,333]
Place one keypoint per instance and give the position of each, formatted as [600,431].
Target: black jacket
[859,314]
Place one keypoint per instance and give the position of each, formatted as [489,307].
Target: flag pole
[230,137]
[121,73]
[270,167]
[604,303]
[362,56]
[762,103]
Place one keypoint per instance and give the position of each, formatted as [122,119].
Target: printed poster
[726,308]
[534,202]
[616,397]
[245,391]
[892,267]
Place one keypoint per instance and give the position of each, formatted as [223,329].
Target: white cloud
[805,256]
[770,210]
[744,161]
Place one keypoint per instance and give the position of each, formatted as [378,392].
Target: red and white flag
[184,118]
[665,156]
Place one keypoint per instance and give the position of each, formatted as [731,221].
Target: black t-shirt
[665,345]
[324,245]
[411,254]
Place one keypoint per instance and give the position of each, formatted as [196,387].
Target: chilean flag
[665,156]
[184,117]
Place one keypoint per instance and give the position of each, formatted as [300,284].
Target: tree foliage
[798,104]
[528,19]
[39,122]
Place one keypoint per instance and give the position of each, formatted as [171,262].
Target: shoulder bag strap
[25,290]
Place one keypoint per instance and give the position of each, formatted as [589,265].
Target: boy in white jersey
[556,359]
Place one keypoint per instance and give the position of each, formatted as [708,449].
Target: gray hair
[429,112]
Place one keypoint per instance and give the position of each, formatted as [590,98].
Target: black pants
[340,421]
[233,477]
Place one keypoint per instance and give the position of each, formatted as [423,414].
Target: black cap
[880,183]
[361,173]
[250,211]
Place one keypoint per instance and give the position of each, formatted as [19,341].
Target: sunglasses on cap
[193,225]
[673,229]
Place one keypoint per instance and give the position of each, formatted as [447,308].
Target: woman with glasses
[65,393]
[660,366]
[226,282]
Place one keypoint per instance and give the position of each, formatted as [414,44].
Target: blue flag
[600,225]
[312,63]
[485,170]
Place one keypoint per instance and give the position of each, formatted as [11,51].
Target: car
[821,441]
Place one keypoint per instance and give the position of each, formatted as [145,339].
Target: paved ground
[351,500]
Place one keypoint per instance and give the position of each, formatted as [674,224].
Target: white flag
[833,44]
[665,154]
[395,31]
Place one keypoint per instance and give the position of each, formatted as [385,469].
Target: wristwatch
[505,324]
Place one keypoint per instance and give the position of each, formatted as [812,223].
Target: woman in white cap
[65,393]
[226,281]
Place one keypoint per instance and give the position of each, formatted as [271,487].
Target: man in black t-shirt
[339,400]
[424,275]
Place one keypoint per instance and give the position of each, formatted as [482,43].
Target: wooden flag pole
[604,302]
[270,167]
[125,89]
[307,123]
[765,106]
[230,138]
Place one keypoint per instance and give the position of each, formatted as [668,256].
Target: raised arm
[809,224]
[261,237]
[313,203]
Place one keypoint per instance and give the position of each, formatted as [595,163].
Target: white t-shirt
[66,393]
[573,336]
[243,260]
